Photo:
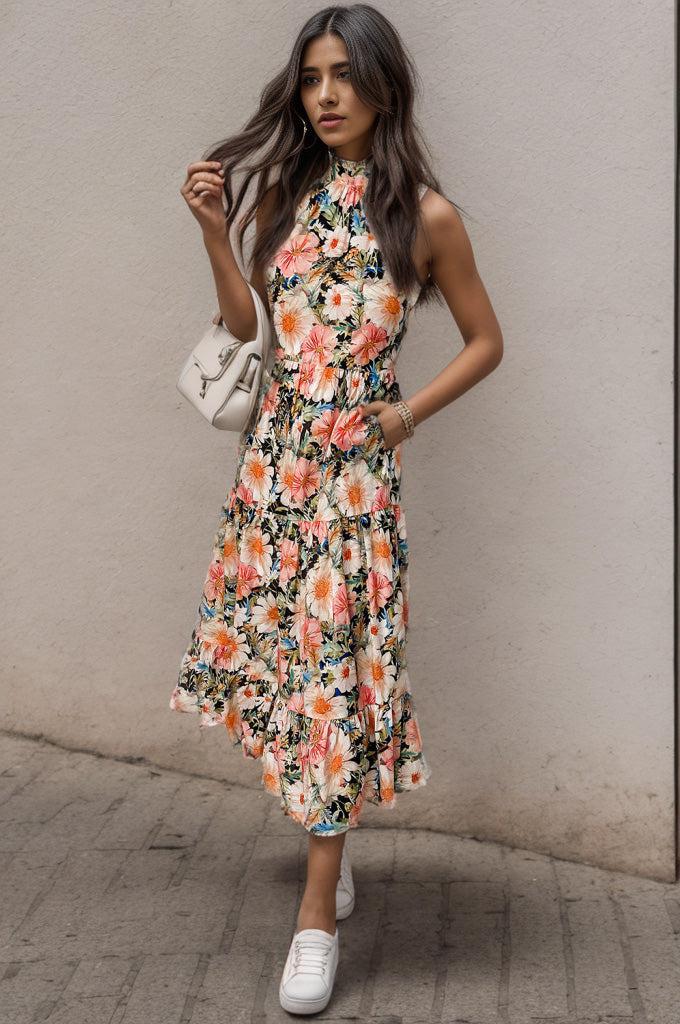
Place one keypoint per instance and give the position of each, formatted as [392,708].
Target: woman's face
[326,88]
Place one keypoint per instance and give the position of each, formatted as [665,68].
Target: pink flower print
[366,696]
[245,494]
[322,426]
[367,341]
[297,254]
[349,429]
[306,377]
[381,497]
[214,584]
[269,400]
[247,579]
[306,479]
[311,639]
[289,560]
[413,736]
[347,189]
[379,590]
[296,702]
[341,608]
[317,745]
[319,343]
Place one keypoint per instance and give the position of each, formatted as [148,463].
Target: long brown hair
[384,77]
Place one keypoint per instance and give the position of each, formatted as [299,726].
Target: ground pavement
[130,894]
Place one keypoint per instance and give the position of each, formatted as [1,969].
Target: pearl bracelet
[407,417]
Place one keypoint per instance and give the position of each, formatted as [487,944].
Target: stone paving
[135,895]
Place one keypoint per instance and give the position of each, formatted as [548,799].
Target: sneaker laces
[310,956]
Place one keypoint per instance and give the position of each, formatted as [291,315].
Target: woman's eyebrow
[338,64]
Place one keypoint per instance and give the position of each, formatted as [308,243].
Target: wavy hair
[384,77]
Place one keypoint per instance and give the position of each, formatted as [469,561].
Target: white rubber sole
[345,912]
[303,1005]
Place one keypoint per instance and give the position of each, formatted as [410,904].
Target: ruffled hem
[324,769]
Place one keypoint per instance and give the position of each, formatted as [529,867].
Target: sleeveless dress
[299,649]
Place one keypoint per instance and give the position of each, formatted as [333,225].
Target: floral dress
[299,650]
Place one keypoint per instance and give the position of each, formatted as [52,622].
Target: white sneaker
[344,893]
[308,976]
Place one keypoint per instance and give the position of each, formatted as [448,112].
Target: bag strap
[263,323]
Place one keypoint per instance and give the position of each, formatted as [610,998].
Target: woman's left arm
[453,269]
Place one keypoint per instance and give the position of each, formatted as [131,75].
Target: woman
[300,645]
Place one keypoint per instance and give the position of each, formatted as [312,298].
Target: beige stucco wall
[539,505]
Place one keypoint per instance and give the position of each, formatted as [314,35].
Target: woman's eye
[309,78]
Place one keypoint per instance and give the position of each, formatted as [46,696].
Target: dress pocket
[375,453]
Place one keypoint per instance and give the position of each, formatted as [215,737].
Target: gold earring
[304,132]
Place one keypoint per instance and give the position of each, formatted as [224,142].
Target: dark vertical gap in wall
[676,271]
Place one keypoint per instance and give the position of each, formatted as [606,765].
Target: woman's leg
[317,908]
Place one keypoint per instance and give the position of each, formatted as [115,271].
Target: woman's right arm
[233,294]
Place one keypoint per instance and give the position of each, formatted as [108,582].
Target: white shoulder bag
[221,378]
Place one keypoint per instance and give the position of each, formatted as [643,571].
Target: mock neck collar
[340,165]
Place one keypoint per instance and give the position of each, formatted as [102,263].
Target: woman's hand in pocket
[391,423]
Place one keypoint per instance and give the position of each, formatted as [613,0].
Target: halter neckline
[341,165]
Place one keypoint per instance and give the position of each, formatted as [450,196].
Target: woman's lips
[331,122]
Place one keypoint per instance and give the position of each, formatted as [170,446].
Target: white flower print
[382,305]
[335,242]
[299,650]
[340,302]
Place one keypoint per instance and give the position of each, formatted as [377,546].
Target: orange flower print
[257,473]
[339,764]
[319,589]
[299,650]
[382,554]
[257,550]
[382,305]
[285,479]
[322,702]
[367,341]
[230,550]
[293,318]
[297,254]
[224,646]
[354,489]
[266,616]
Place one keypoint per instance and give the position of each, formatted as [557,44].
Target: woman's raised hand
[203,190]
